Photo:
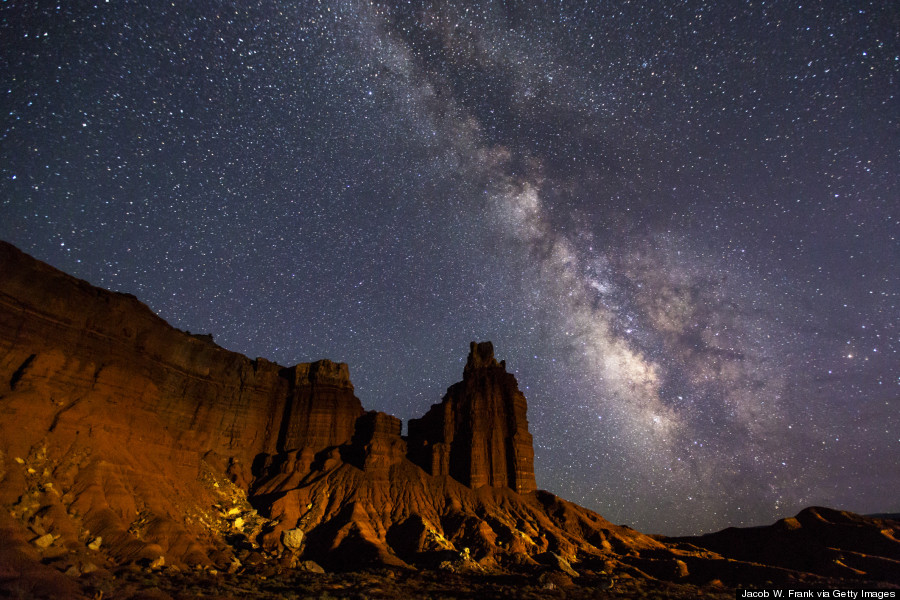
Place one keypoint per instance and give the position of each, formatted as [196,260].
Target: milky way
[677,221]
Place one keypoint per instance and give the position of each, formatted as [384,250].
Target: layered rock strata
[109,415]
[320,410]
[479,433]
[116,427]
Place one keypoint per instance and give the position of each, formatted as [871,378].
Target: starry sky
[677,221]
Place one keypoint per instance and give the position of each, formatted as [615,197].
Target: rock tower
[479,433]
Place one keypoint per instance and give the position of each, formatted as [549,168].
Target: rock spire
[479,433]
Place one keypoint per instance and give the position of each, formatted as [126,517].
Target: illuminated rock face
[86,349]
[119,412]
[129,418]
[479,433]
[321,410]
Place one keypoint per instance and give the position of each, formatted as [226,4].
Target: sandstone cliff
[110,418]
[479,433]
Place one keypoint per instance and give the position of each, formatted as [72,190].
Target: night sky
[678,222]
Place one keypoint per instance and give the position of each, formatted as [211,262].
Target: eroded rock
[479,433]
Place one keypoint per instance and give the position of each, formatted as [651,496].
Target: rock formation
[124,440]
[320,410]
[116,425]
[478,434]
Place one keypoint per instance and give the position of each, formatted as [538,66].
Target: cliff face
[320,410]
[64,342]
[479,433]
[115,415]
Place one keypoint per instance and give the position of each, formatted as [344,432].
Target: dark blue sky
[677,223]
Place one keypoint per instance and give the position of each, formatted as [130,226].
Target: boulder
[292,538]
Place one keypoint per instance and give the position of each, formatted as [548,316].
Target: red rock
[321,410]
[127,408]
[479,433]
[378,441]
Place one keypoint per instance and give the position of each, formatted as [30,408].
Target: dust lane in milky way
[678,223]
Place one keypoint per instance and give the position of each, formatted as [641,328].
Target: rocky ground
[272,583]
